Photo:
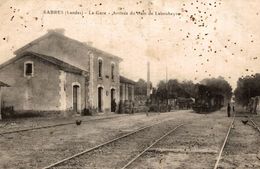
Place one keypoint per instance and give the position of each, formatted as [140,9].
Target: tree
[161,91]
[189,87]
[247,87]
[174,89]
[141,87]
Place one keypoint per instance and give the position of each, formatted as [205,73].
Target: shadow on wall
[10,113]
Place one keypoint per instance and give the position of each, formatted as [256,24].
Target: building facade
[41,83]
[56,73]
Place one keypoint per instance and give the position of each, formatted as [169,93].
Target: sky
[201,39]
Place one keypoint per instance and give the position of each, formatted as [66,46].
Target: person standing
[233,108]
[228,109]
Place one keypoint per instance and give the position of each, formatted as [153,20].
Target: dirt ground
[26,123]
[243,147]
[38,148]
[196,145]
[117,154]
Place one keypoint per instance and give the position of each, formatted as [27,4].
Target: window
[28,68]
[112,71]
[100,65]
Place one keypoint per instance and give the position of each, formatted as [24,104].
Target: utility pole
[148,81]
[148,92]
[167,104]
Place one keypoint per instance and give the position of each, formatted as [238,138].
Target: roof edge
[126,80]
[63,65]
[50,33]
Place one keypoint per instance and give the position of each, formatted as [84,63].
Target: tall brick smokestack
[148,80]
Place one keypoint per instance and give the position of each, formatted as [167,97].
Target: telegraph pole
[167,87]
[148,91]
[148,81]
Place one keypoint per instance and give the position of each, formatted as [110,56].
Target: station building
[57,73]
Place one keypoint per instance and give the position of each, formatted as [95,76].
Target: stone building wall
[105,81]
[40,92]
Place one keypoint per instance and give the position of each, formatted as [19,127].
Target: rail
[224,143]
[156,141]
[98,146]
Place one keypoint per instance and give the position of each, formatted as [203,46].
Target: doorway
[113,103]
[100,99]
[75,98]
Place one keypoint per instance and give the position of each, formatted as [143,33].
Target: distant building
[56,73]
[127,97]
[126,89]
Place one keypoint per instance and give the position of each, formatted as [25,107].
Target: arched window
[100,67]
[112,71]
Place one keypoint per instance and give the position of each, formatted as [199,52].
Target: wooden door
[100,95]
[75,97]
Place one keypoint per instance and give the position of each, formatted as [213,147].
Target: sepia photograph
[129,84]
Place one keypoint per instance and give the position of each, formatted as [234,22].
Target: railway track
[56,125]
[255,125]
[143,135]
[224,143]
[145,150]
[226,138]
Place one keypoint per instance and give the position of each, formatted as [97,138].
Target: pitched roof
[126,80]
[63,37]
[59,63]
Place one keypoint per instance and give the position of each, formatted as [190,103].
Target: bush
[126,107]
[141,109]
[159,108]
[121,108]
[89,111]
[86,112]
[7,112]
[163,108]
[154,108]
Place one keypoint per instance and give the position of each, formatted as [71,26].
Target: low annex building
[126,89]
[57,73]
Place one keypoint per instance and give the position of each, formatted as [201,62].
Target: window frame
[112,71]
[100,69]
[25,69]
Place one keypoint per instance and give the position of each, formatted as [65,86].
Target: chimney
[57,30]
[88,43]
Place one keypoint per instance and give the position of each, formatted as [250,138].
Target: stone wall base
[33,113]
